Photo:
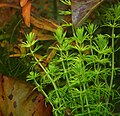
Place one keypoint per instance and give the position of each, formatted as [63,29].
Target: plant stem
[84,88]
[66,75]
[37,85]
[112,75]
[86,98]
[54,85]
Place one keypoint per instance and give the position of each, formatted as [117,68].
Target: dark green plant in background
[81,75]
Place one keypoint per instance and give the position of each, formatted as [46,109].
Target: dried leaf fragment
[26,13]
[17,98]
[23,2]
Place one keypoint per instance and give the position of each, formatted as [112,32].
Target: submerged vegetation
[82,73]
[81,77]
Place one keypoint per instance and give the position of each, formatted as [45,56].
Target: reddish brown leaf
[9,5]
[23,2]
[51,55]
[40,36]
[17,98]
[26,13]
[44,23]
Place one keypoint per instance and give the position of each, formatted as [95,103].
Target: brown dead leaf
[23,2]
[9,5]
[51,54]
[40,36]
[17,98]
[26,13]
[43,23]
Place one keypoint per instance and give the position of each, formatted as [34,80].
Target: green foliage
[30,42]
[83,71]
[66,2]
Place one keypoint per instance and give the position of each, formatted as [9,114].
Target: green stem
[81,99]
[64,68]
[91,44]
[98,83]
[112,68]
[66,75]
[112,75]
[54,85]
[91,49]
[86,98]
[84,88]
[37,85]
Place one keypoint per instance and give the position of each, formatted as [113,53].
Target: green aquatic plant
[79,80]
